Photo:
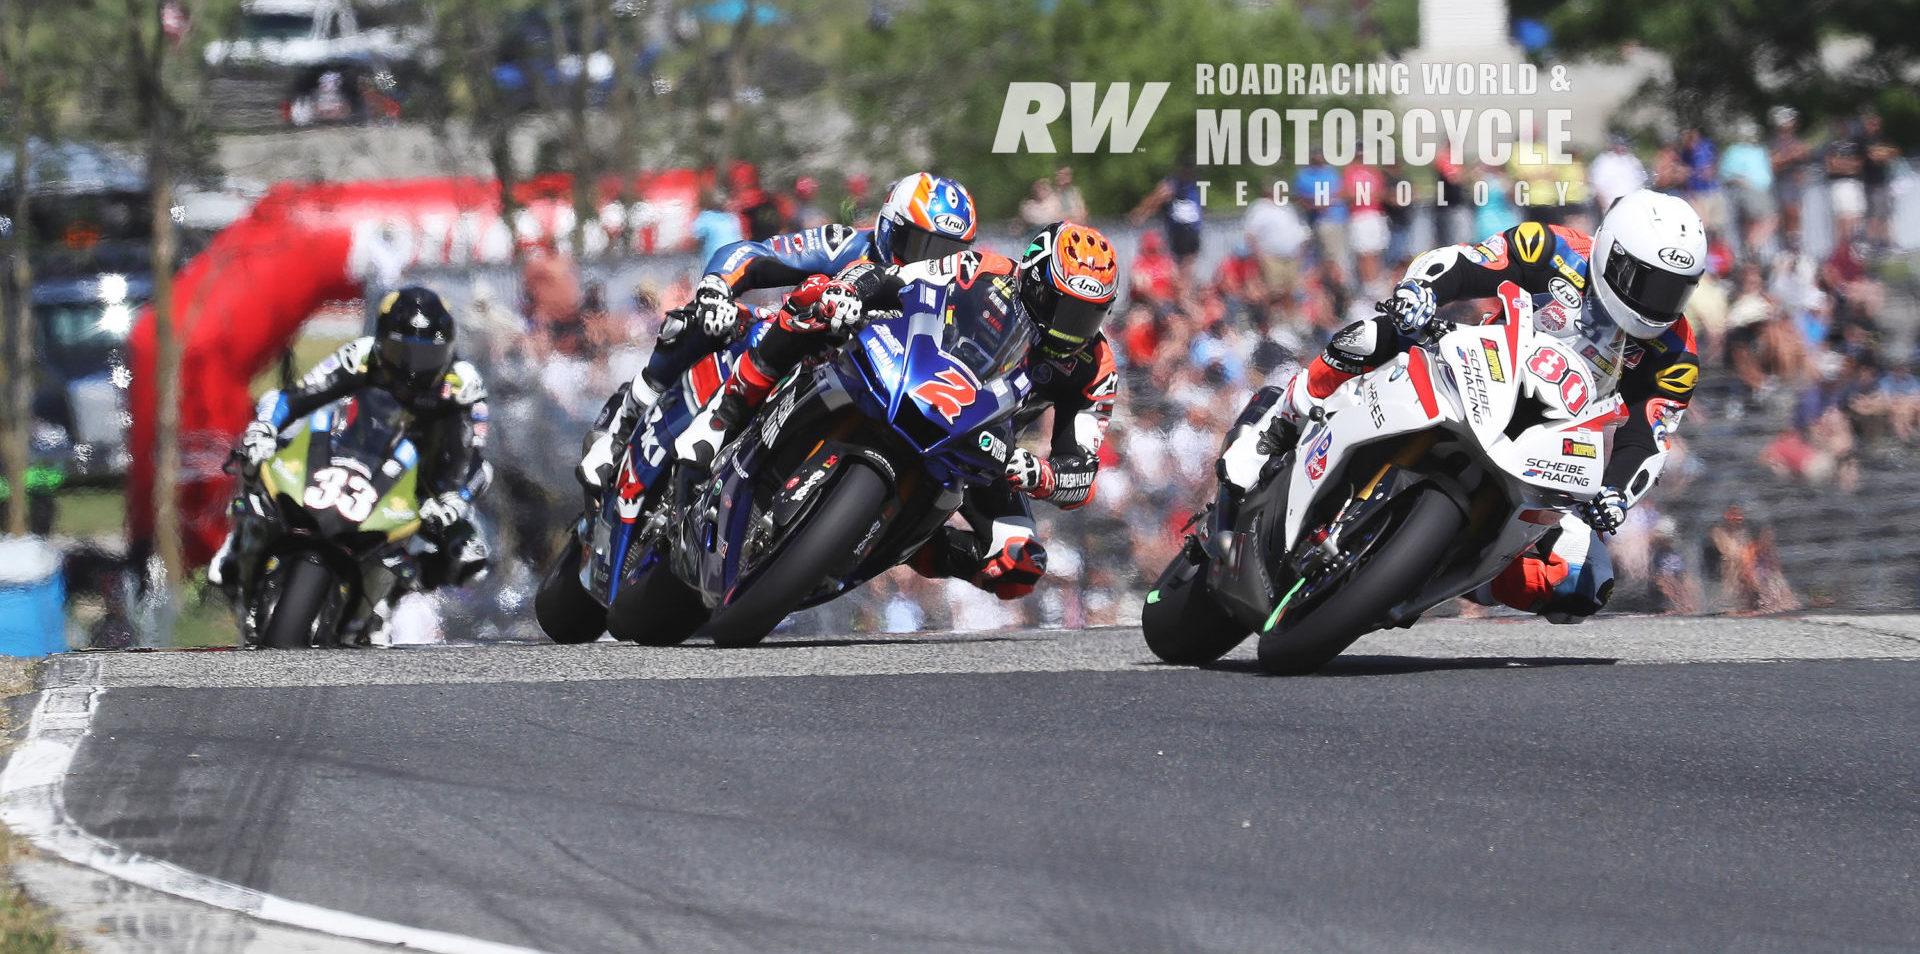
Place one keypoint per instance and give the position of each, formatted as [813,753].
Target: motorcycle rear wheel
[818,547]
[1385,575]
[656,610]
[1183,623]
[303,597]
[566,612]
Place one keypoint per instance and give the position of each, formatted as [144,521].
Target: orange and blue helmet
[925,217]
[1069,277]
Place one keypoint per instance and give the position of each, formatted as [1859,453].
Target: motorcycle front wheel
[819,547]
[303,598]
[1387,570]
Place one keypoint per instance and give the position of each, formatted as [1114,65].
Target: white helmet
[1647,256]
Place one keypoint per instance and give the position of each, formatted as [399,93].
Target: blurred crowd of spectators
[1818,343]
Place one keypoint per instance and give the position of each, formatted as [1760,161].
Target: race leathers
[688,356]
[449,426]
[777,262]
[1571,577]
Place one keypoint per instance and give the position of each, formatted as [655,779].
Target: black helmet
[1068,279]
[412,343]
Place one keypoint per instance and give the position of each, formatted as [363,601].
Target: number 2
[949,392]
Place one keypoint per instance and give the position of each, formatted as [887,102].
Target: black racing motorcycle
[324,528]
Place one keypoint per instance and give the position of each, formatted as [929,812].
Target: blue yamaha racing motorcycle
[852,463]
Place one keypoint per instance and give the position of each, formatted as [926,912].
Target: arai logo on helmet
[1677,257]
[950,223]
[1087,286]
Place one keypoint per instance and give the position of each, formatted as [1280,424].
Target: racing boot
[1269,428]
[745,391]
[611,430]
[224,571]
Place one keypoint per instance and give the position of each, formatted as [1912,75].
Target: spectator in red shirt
[1367,232]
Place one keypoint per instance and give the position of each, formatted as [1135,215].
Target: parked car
[83,324]
[303,33]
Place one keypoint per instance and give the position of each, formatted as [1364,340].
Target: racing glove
[713,305]
[815,305]
[1411,306]
[259,442]
[1011,572]
[1030,474]
[1606,511]
[441,512]
[841,305]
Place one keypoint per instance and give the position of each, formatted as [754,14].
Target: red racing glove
[815,304]
[1011,572]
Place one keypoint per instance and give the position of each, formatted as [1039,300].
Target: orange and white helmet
[1069,277]
[925,217]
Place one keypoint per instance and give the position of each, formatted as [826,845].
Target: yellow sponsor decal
[1680,378]
[1529,241]
[1572,274]
[1495,369]
[387,302]
[1573,448]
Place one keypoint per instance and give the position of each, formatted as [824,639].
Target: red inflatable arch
[242,300]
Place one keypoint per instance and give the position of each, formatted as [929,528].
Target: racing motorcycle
[851,463]
[327,526]
[1414,484]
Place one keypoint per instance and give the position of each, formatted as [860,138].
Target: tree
[41,63]
[934,79]
[1743,56]
[24,103]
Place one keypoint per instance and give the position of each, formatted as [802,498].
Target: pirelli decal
[1680,378]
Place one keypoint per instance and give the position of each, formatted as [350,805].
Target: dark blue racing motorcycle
[853,462]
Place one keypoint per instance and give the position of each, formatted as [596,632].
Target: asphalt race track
[1629,785]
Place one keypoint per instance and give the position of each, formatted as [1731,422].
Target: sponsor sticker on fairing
[1578,448]
[1475,384]
[1317,457]
[1556,471]
[1564,294]
[1495,369]
[993,445]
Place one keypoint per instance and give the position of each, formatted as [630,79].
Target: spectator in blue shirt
[716,226]
[1746,172]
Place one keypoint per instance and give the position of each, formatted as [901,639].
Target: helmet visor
[1654,292]
[912,243]
[411,356]
[1075,322]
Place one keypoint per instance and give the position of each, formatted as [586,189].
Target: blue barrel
[33,594]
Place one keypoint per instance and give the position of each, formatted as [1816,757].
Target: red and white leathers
[1570,577]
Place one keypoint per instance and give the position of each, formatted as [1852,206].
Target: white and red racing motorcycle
[1421,480]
